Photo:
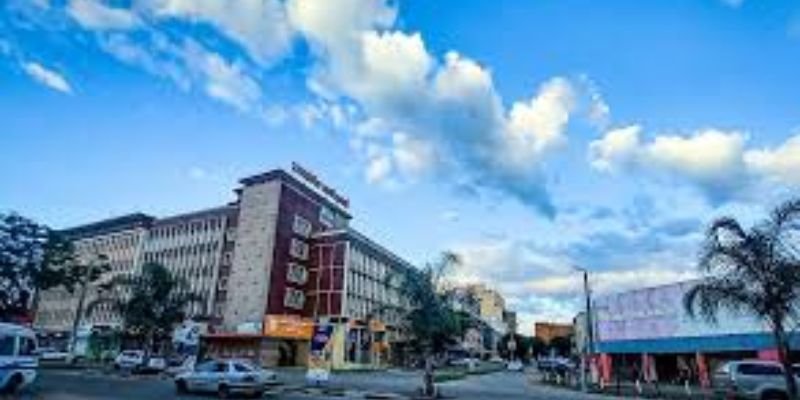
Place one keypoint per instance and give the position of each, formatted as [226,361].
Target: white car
[139,361]
[226,378]
[51,354]
[129,359]
[18,361]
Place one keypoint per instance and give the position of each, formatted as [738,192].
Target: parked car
[51,354]
[754,379]
[18,360]
[139,361]
[226,378]
[515,365]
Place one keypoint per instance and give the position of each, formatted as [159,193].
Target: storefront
[647,335]
[284,341]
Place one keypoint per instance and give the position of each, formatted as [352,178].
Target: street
[94,385]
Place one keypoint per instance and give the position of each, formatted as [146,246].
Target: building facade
[277,259]
[547,331]
[650,327]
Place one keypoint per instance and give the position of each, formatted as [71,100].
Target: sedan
[225,377]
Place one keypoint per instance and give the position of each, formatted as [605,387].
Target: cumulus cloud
[719,162]
[439,112]
[47,77]
[780,164]
[261,27]
[189,65]
[711,159]
[95,14]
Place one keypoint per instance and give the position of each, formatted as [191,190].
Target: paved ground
[88,385]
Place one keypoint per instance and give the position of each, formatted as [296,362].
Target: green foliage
[431,321]
[150,303]
[754,272]
[562,345]
[522,350]
[32,257]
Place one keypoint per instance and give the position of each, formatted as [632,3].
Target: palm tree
[755,272]
[430,319]
[150,303]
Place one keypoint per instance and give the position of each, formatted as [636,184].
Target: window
[301,226]
[27,347]
[299,249]
[294,299]
[760,369]
[326,217]
[241,367]
[7,345]
[296,273]
[219,367]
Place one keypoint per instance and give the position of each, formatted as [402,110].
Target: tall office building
[277,258]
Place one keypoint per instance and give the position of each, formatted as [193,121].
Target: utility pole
[588,338]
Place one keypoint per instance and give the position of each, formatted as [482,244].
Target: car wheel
[258,394]
[14,384]
[224,392]
[180,386]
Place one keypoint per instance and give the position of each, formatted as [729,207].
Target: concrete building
[549,330]
[649,330]
[121,241]
[268,265]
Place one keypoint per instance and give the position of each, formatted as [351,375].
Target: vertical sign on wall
[319,358]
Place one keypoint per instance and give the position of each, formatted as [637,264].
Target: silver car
[757,380]
[226,378]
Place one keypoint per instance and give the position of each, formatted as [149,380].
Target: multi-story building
[547,331]
[355,285]
[196,247]
[268,265]
[120,240]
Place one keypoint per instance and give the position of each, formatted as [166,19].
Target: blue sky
[528,136]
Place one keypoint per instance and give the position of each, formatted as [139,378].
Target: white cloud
[227,82]
[781,164]
[711,159]
[617,148]
[261,27]
[538,126]
[190,65]
[379,168]
[711,156]
[95,14]
[413,157]
[47,77]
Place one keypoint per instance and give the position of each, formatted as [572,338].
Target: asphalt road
[91,385]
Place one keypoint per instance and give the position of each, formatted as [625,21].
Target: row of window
[181,251]
[110,243]
[191,228]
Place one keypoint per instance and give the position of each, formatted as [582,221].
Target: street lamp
[588,345]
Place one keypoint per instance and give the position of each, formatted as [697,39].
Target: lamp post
[588,345]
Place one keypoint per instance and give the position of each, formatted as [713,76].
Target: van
[751,379]
[18,360]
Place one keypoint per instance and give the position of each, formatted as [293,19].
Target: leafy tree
[150,303]
[562,345]
[753,271]
[80,276]
[537,346]
[430,321]
[520,350]
[33,257]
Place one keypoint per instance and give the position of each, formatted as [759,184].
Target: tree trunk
[429,388]
[73,340]
[783,357]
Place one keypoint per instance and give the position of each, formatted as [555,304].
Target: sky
[530,137]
